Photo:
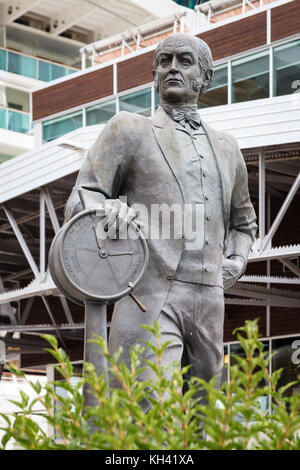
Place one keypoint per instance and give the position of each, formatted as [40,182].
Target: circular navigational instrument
[87,266]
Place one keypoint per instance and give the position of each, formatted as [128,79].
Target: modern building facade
[254,95]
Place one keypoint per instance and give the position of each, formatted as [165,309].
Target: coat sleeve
[242,224]
[107,163]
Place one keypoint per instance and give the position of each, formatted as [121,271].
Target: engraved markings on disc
[100,267]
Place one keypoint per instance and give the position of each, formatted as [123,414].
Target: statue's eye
[186,61]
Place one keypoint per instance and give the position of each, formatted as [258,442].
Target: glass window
[250,77]
[33,43]
[217,94]
[22,65]
[48,71]
[57,127]
[69,71]
[100,113]
[18,122]
[2,118]
[2,59]
[287,68]
[286,357]
[138,102]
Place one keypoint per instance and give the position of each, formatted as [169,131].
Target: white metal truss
[42,327]
[35,287]
[6,309]
[281,213]
[68,17]
[291,266]
[275,297]
[13,9]
[280,252]
[42,285]
[270,279]
[21,241]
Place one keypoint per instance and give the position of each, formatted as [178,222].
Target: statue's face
[178,75]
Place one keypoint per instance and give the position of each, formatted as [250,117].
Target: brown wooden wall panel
[135,71]
[285,20]
[236,315]
[237,37]
[35,360]
[285,321]
[74,92]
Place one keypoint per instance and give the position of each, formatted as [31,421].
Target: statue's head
[182,68]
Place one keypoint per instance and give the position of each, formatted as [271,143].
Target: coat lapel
[215,138]
[165,135]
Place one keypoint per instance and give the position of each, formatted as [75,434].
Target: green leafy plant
[230,418]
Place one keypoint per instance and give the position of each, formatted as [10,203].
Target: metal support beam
[13,9]
[28,218]
[30,329]
[289,264]
[21,241]
[275,297]
[247,302]
[51,211]
[281,213]
[14,276]
[42,236]
[268,307]
[125,44]
[69,17]
[268,279]
[26,311]
[6,310]
[277,253]
[262,197]
[46,303]
[66,308]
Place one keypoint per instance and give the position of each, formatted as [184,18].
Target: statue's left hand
[232,269]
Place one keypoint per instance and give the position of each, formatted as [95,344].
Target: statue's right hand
[118,217]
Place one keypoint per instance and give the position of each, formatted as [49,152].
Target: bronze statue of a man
[175,159]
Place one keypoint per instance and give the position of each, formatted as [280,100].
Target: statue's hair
[204,55]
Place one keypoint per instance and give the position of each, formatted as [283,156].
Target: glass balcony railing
[32,67]
[13,120]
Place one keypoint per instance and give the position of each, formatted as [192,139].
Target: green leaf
[51,340]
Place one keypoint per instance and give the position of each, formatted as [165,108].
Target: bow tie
[182,117]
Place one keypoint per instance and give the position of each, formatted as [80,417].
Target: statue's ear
[206,82]
[208,78]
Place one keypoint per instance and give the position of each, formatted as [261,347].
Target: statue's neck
[169,108]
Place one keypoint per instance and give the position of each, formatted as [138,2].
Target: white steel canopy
[101,17]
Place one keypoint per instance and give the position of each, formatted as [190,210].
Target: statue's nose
[174,64]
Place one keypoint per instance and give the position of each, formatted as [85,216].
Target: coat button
[170,276]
